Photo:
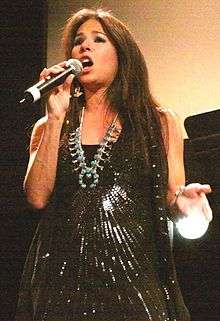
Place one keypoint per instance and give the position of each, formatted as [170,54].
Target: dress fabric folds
[93,256]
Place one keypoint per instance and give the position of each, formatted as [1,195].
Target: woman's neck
[96,102]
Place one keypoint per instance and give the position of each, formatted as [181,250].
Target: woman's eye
[99,39]
[77,41]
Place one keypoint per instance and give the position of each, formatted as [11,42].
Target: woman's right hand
[58,98]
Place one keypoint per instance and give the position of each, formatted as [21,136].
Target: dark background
[23,56]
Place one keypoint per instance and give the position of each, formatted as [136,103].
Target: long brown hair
[129,92]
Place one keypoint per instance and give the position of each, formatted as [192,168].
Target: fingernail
[70,78]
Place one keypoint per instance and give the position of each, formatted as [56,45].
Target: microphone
[34,93]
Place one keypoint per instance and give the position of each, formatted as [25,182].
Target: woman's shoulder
[171,126]
[167,114]
[169,119]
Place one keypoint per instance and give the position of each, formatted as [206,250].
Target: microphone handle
[53,82]
[34,93]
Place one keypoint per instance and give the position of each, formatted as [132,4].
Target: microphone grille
[76,64]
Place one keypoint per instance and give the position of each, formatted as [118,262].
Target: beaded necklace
[88,175]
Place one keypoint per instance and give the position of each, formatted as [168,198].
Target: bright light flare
[192,226]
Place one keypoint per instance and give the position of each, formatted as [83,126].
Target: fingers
[196,188]
[67,83]
[206,188]
[54,70]
[206,207]
[47,73]
[43,74]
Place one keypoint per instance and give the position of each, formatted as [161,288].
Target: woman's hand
[192,199]
[58,98]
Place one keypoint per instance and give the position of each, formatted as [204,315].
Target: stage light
[192,226]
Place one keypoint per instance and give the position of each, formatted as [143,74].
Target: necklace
[88,175]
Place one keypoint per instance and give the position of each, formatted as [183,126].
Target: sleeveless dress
[94,256]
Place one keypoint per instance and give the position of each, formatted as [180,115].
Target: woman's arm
[175,152]
[41,172]
[183,199]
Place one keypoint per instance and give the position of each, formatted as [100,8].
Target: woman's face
[97,54]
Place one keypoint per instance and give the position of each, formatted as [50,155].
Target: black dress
[93,256]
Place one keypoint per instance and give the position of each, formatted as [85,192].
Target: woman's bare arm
[41,172]
[182,198]
[175,152]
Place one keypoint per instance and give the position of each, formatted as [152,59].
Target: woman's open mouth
[86,63]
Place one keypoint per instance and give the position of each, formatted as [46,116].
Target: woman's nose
[86,46]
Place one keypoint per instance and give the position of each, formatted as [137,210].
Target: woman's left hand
[193,198]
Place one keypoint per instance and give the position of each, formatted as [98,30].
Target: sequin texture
[94,255]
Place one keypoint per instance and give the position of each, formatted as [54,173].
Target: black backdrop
[23,56]
[197,261]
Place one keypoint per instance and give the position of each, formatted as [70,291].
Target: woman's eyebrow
[93,32]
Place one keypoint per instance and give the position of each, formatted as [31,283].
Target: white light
[192,226]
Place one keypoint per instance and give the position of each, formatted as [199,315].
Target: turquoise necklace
[88,175]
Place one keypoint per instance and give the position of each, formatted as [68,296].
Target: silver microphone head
[76,64]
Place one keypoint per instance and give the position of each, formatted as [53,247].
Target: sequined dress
[93,256]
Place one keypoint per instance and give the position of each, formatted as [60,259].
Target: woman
[106,163]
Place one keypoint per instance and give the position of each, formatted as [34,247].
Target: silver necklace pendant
[88,175]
